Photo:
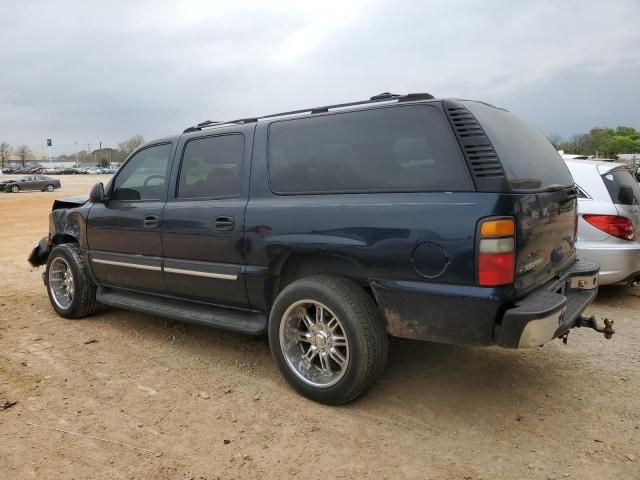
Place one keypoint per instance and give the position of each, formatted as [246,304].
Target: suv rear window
[402,149]
[622,187]
[529,160]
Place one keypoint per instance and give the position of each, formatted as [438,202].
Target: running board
[248,322]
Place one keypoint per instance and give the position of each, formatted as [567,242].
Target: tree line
[604,142]
[100,157]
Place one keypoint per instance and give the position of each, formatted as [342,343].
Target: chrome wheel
[61,283]
[15,189]
[314,343]
[49,188]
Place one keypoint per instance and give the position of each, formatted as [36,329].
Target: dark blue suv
[331,228]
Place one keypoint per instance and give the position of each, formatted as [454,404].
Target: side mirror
[625,195]
[97,193]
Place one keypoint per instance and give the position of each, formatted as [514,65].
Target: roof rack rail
[382,97]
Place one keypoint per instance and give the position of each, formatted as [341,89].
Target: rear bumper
[619,262]
[550,311]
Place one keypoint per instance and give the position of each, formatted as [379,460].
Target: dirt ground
[150,398]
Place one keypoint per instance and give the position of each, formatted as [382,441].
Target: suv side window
[144,176]
[393,149]
[212,167]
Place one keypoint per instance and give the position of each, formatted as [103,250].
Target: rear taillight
[496,252]
[614,225]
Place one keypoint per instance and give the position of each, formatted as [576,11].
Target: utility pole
[49,144]
[77,164]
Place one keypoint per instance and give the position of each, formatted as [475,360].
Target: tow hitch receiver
[591,322]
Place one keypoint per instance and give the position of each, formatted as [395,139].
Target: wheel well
[288,269]
[63,238]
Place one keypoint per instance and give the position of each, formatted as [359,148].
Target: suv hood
[69,202]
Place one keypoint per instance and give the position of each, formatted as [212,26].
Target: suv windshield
[529,160]
[623,189]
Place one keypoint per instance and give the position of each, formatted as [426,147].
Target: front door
[123,234]
[203,222]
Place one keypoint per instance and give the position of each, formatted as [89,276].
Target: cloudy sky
[80,72]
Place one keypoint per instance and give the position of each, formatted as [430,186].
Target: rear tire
[50,188]
[327,338]
[71,291]
[15,188]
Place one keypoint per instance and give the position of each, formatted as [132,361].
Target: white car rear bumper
[618,262]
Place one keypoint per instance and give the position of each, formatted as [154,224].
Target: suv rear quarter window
[403,149]
[529,160]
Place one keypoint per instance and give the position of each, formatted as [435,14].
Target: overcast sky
[78,71]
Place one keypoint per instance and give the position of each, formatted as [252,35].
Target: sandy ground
[438,412]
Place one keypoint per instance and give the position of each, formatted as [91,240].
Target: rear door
[203,223]
[125,244]
[29,183]
[42,182]
[545,236]
[543,194]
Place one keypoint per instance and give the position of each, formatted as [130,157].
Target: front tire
[71,291]
[327,338]
[15,188]
[50,188]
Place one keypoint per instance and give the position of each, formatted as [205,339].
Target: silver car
[608,219]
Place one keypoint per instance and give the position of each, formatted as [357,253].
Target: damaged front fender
[66,224]
[40,252]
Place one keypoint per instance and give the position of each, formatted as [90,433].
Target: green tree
[628,132]
[606,142]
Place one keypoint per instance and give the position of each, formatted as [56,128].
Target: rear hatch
[545,236]
[543,196]
[624,192]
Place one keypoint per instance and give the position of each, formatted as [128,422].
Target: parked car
[330,228]
[32,182]
[609,219]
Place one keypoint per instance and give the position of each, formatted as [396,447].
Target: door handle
[151,221]
[224,223]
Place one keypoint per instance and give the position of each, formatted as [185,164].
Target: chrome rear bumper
[550,311]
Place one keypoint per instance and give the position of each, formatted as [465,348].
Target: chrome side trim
[195,273]
[126,264]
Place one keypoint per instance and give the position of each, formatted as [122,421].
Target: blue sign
[48,142]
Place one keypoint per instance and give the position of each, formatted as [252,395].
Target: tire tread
[85,302]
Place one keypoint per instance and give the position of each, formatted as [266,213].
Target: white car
[608,219]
